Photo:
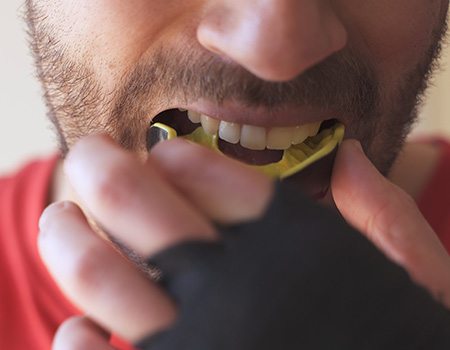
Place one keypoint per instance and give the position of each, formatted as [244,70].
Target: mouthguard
[294,159]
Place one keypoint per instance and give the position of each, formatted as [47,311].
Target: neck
[414,167]
[60,189]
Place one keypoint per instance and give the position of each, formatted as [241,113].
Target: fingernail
[352,152]
[50,212]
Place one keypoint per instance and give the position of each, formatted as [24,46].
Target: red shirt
[32,306]
[434,202]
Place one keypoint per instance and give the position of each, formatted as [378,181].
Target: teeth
[313,128]
[194,117]
[230,132]
[210,125]
[280,138]
[302,132]
[253,137]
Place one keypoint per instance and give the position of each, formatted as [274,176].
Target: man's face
[111,66]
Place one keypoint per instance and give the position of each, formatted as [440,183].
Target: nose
[276,40]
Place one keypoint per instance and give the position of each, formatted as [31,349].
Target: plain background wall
[25,133]
[24,130]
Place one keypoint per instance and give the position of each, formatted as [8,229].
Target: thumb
[389,217]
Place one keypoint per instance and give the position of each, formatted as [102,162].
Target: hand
[73,280]
[389,218]
[175,196]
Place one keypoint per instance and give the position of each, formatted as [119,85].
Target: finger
[226,190]
[80,333]
[389,218]
[133,202]
[99,280]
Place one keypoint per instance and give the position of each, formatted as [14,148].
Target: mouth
[277,151]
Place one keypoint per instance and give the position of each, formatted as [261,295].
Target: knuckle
[408,200]
[378,221]
[391,212]
[115,186]
[87,269]
[386,226]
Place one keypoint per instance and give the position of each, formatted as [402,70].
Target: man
[258,73]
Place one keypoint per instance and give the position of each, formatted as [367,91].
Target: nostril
[218,52]
[336,32]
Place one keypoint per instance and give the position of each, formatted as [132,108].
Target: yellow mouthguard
[294,159]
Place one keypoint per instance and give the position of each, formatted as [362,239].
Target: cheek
[394,35]
[110,35]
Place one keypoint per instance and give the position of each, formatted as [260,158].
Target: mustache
[342,82]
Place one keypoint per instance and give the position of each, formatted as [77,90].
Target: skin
[91,56]
[385,48]
[93,274]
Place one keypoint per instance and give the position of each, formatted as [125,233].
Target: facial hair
[345,83]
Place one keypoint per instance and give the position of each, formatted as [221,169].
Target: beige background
[25,132]
[435,117]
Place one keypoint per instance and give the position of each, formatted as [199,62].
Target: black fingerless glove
[299,278]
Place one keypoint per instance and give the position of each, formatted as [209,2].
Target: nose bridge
[274,39]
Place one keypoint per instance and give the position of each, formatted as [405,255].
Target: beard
[345,83]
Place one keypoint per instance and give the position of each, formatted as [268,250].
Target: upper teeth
[255,137]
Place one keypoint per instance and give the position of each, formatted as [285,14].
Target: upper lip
[238,113]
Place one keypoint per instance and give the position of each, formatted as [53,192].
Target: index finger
[132,201]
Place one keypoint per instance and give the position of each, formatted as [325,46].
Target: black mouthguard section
[315,179]
[155,135]
[177,120]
